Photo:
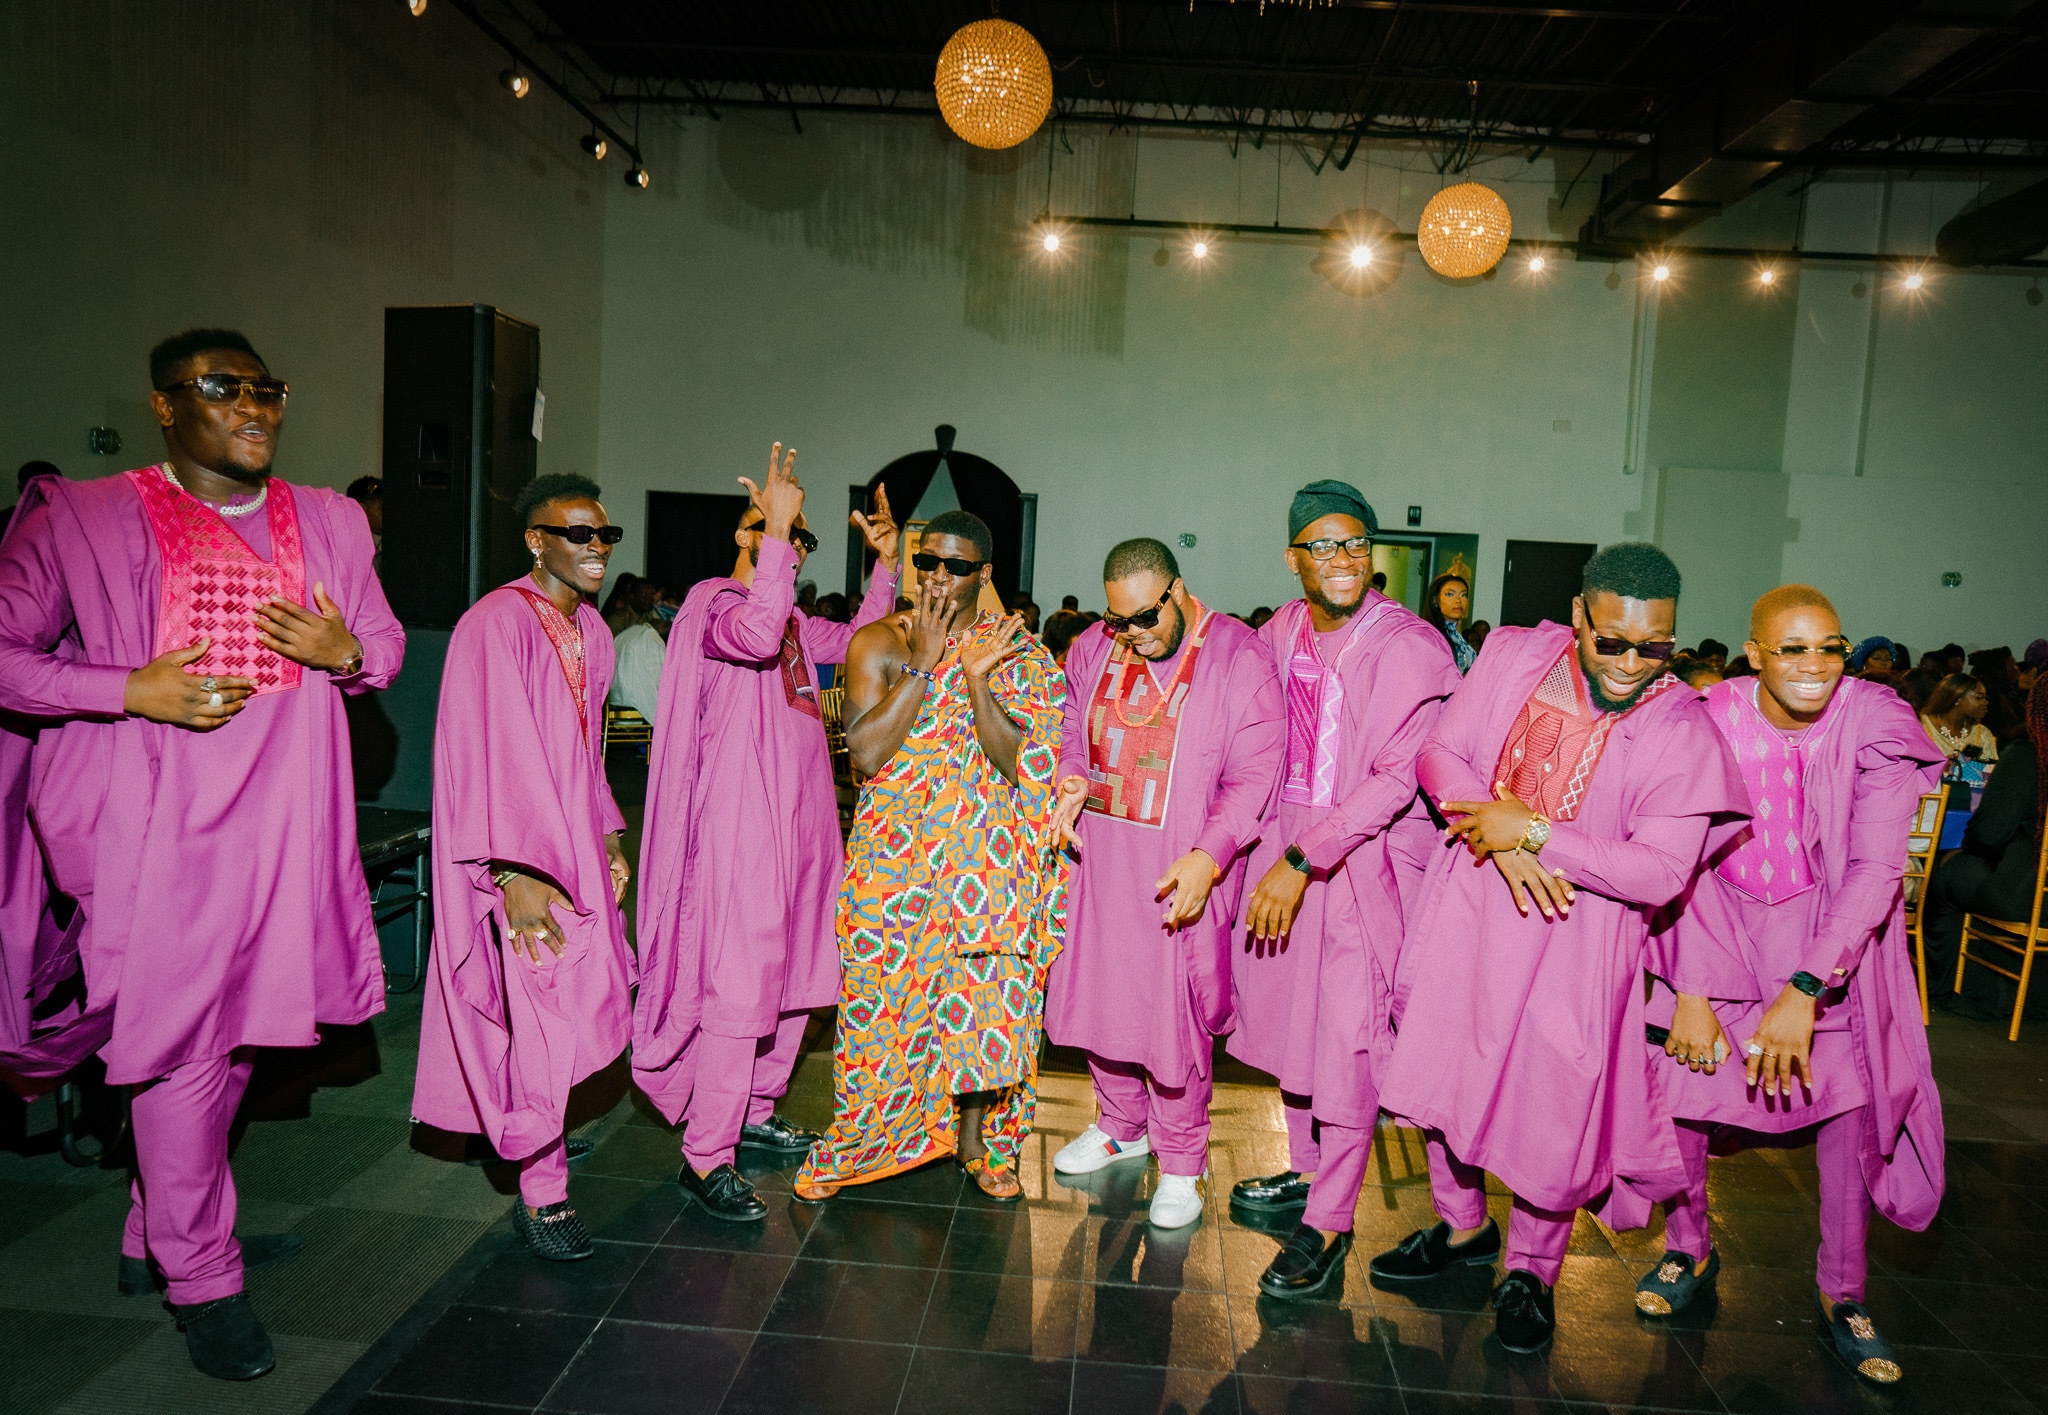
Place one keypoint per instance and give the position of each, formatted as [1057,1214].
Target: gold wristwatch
[1535,835]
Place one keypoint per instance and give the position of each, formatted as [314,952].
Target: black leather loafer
[1271,1193]
[1524,1312]
[1305,1264]
[1427,1252]
[138,1277]
[554,1232]
[777,1136]
[1674,1282]
[225,1340]
[1856,1340]
[724,1193]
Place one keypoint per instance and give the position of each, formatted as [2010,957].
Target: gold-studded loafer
[1675,1282]
[1857,1342]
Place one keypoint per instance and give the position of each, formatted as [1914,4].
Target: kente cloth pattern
[954,907]
[213,583]
[1557,740]
[568,642]
[1770,861]
[796,675]
[1130,737]
[1315,711]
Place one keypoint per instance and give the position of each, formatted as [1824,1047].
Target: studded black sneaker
[225,1340]
[1524,1312]
[1305,1264]
[724,1194]
[554,1232]
[1674,1282]
[1271,1193]
[1429,1251]
[777,1136]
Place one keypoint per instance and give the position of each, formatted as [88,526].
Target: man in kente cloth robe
[1169,752]
[1363,679]
[531,984]
[1591,779]
[184,635]
[740,853]
[1787,982]
[954,900]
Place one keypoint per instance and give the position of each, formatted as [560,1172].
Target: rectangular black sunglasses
[582,535]
[958,569]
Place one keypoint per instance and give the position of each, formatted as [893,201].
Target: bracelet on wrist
[920,672]
[503,878]
[1808,984]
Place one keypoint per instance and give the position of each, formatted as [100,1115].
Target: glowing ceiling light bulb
[1913,281]
[1662,272]
[1361,256]
[1766,277]
[1536,263]
[1201,249]
[1052,240]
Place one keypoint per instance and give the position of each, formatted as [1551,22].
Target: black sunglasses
[798,536]
[958,569]
[229,387]
[1615,648]
[1143,619]
[582,535]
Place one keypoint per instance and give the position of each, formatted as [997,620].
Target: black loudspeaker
[461,385]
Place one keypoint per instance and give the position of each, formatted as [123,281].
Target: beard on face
[1604,703]
[1180,631]
[1333,610]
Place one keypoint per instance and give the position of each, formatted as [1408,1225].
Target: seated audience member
[1028,612]
[833,609]
[1902,657]
[1954,718]
[1917,686]
[1713,653]
[619,609]
[368,493]
[1953,659]
[1993,873]
[1476,635]
[1444,607]
[637,678]
[2031,665]
[1379,581]
[1738,669]
[1070,602]
[1061,630]
[1873,655]
[2006,717]
[1696,672]
[807,598]
[1260,615]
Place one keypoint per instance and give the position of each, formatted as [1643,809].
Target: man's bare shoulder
[879,639]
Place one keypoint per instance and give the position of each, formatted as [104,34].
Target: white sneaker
[1177,1202]
[1092,1149]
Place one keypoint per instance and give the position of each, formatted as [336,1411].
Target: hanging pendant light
[995,83]
[1464,230]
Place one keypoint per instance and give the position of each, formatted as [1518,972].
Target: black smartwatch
[1808,984]
[1295,858]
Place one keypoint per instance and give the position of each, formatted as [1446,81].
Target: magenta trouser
[1304,1154]
[735,1081]
[1845,1204]
[1537,1238]
[183,1213]
[1341,1153]
[1175,1117]
[544,1176]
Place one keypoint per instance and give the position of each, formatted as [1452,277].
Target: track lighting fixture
[516,82]
[637,177]
[415,8]
[595,146]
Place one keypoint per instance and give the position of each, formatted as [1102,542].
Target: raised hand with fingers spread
[780,496]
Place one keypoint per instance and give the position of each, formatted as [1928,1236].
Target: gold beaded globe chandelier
[1464,231]
[995,83]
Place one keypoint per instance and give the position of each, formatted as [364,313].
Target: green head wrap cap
[1329,498]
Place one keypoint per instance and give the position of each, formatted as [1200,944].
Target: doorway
[1541,579]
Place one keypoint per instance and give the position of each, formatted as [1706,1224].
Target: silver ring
[209,684]
[213,699]
[1755,1050]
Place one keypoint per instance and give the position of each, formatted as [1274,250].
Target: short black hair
[1632,569]
[1709,647]
[1072,602]
[365,489]
[1135,557]
[963,525]
[561,486]
[165,357]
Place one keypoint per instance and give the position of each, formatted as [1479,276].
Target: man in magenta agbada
[1169,752]
[740,853]
[182,636]
[1363,680]
[1787,982]
[1586,781]
[531,981]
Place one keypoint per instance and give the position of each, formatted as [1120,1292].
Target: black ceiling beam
[1780,100]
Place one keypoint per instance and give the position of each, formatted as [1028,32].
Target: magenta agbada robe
[1867,761]
[1519,1037]
[1314,1010]
[1124,987]
[519,779]
[740,856]
[222,901]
